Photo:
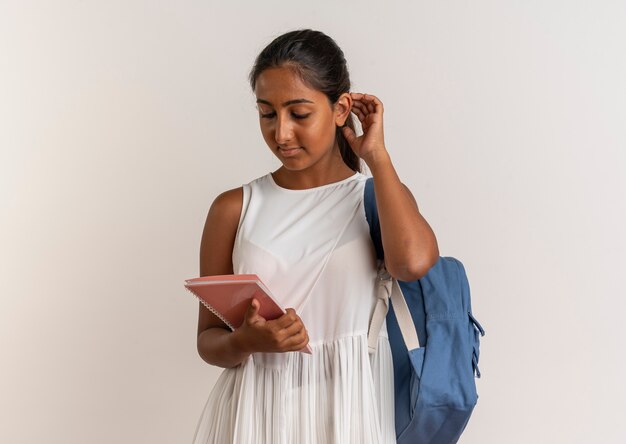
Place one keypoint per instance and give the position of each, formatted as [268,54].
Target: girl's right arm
[217,345]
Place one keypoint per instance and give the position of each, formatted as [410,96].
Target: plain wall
[121,121]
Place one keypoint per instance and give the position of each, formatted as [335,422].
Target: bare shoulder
[219,232]
[228,204]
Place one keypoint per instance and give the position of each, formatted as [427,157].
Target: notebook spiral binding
[203,302]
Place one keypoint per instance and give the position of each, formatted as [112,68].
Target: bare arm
[408,241]
[217,345]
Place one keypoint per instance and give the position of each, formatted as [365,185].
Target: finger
[286,320]
[362,102]
[359,105]
[359,114]
[252,313]
[297,341]
[366,101]
[293,330]
[371,102]
[357,96]
[368,111]
[376,103]
[360,111]
[368,97]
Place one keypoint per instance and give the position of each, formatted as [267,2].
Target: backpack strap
[371,214]
[387,285]
[383,293]
[404,318]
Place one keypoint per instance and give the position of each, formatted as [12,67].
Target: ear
[342,109]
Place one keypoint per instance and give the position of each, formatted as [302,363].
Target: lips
[286,152]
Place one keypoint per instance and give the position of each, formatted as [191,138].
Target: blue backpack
[435,390]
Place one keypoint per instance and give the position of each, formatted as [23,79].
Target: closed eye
[296,116]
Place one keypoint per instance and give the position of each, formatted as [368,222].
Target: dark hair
[320,64]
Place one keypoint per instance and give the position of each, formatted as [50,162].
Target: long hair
[319,62]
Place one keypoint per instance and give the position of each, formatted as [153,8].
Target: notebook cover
[228,297]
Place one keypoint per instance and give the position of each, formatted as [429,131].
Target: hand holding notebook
[229,296]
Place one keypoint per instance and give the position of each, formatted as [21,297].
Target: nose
[283,132]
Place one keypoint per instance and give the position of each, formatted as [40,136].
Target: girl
[302,229]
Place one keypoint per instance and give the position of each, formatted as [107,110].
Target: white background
[121,121]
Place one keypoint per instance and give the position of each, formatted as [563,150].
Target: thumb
[349,135]
[252,313]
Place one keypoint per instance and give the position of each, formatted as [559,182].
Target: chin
[291,167]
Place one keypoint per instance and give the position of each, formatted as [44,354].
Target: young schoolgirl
[302,229]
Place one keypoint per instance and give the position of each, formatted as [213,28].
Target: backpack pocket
[416,356]
[478,332]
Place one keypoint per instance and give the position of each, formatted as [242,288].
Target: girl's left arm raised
[408,241]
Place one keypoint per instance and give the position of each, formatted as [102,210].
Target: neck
[308,178]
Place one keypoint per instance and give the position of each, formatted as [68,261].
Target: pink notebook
[228,296]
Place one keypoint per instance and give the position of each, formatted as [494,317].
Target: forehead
[278,85]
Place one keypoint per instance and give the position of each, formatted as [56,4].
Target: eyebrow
[287,103]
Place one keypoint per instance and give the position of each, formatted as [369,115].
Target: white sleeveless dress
[312,248]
